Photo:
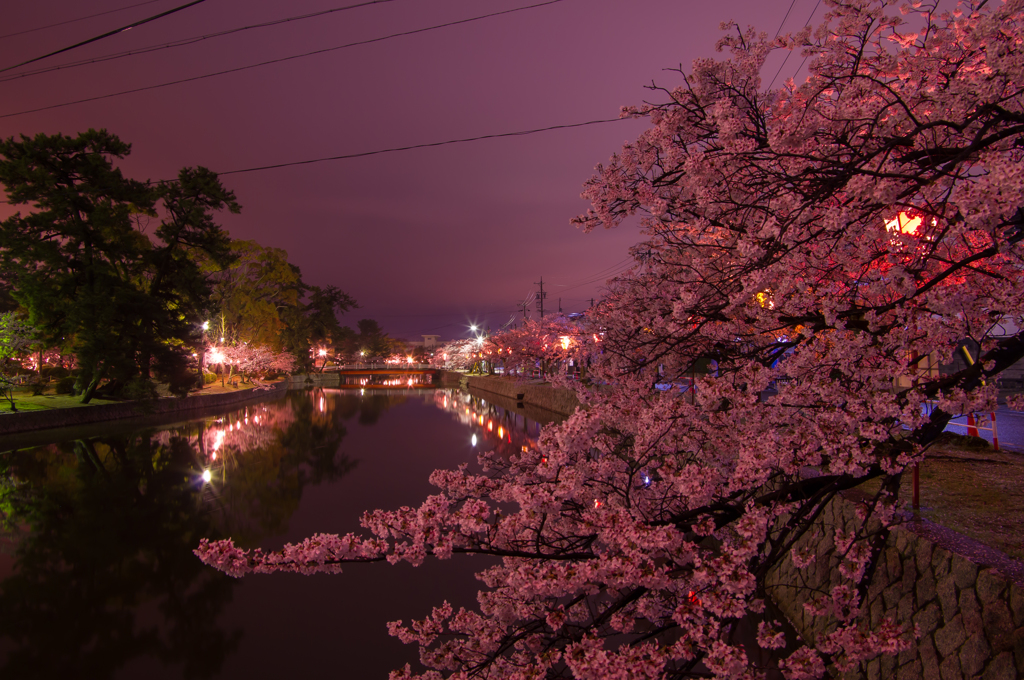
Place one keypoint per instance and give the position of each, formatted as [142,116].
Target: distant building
[428,342]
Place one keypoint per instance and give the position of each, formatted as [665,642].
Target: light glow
[904,224]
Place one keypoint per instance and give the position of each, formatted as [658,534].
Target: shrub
[66,385]
[55,372]
[139,389]
[209,378]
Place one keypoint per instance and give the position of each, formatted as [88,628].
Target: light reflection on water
[97,577]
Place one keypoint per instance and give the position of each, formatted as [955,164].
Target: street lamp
[202,356]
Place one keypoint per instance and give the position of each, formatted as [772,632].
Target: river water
[97,575]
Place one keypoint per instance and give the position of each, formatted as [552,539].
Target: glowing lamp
[904,224]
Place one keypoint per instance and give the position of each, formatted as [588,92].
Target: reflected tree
[110,524]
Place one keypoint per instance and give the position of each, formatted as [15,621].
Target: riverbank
[59,417]
[531,392]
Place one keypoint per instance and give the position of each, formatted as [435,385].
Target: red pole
[972,430]
[995,433]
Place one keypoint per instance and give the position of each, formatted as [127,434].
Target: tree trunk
[90,390]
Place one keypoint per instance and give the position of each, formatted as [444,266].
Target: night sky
[426,240]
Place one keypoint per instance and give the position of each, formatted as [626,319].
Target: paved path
[1009,426]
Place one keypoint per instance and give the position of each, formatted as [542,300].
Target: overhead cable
[105,35]
[279,60]
[183,42]
[71,21]
[789,52]
[427,145]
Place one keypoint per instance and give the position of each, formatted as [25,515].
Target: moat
[97,575]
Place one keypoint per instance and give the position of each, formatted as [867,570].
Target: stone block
[910,671]
[906,656]
[925,587]
[876,610]
[974,655]
[891,596]
[965,572]
[990,585]
[995,617]
[1001,668]
[1017,604]
[888,666]
[874,670]
[894,564]
[1018,649]
[929,659]
[945,589]
[970,610]
[875,587]
[950,637]
[949,669]
[909,575]
[923,555]
[905,609]
[902,540]
[940,562]
[927,619]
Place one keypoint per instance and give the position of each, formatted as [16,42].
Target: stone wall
[29,421]
[543,395]
[970,615]
[329,379]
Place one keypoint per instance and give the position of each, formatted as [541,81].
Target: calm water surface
[97,575]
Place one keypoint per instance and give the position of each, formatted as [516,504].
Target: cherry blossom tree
[460,355]
[819,243]
[251,361]
[546,344]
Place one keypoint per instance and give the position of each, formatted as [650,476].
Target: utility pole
[541,296]
[559,305]
[524,304]
[591,302]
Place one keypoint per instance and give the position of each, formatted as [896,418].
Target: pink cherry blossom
[777,342]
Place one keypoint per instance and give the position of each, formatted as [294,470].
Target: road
[1009,427]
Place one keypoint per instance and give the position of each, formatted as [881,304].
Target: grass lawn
[968,487]
[25,401]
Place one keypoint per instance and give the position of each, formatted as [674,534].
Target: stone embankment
[30,421]
[969,610]
[541,395]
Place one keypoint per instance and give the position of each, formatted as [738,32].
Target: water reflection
[490,426]
[97,575]
[103,528]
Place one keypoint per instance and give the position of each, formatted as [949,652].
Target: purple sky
[428,240]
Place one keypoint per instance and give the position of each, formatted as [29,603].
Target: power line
[105,35]
[279,60]
[498,135]
[184,41]
[71,21]
[783,23]
[598,274]
[789,52]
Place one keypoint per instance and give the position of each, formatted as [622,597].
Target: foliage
[261,299]
[250,293]
[86,272]
[16,337]
[66,385]
[815,242]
